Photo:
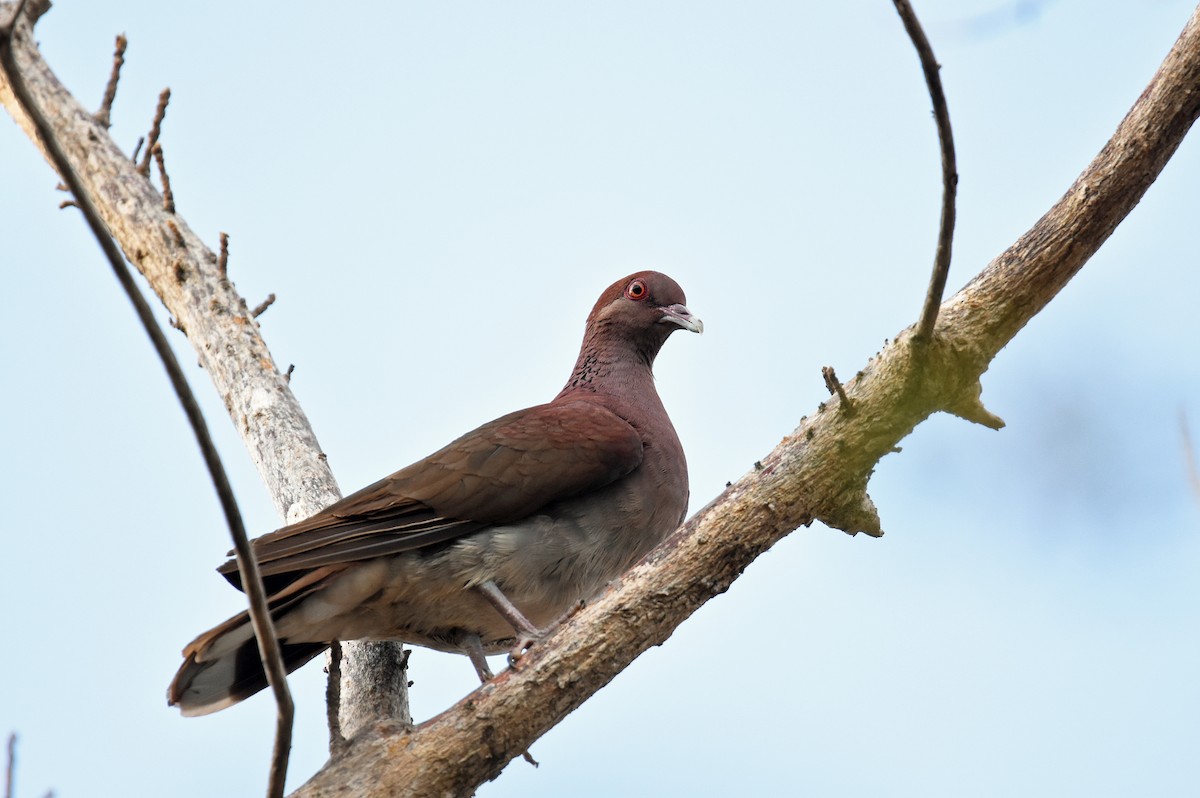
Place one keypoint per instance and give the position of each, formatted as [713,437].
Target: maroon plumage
[494,536]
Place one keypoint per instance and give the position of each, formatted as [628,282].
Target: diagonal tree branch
[819,472]
[260,615]
[188,279]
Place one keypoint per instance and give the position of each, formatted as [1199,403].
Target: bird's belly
[547,563]
[544,565]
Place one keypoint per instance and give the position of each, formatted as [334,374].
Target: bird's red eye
[637,291]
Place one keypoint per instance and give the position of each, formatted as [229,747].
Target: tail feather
[222,666]
[201,687]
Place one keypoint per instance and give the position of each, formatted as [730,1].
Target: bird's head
[644,308]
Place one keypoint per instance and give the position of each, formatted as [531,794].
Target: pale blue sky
[437,193]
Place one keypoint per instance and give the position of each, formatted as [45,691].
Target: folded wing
[506,470]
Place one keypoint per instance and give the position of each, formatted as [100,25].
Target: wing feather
[506,470]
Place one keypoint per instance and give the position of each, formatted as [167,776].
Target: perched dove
[481,545]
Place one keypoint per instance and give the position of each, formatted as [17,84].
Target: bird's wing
[506,470]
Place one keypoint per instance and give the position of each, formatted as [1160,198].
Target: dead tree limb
[260,616]
[186,276]
[104,115]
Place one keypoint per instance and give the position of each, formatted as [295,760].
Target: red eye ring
[636,290]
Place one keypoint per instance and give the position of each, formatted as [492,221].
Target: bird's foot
[575,609]
[524,643]
[532,634]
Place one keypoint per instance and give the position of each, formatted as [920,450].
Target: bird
[482,546]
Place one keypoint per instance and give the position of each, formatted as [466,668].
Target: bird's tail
[222,666]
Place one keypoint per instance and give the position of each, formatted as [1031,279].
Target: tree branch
[941,113]
[10,764]
[104,115]
[186,276]
[160,113]
[819,472]
[1189,454]
[260,615]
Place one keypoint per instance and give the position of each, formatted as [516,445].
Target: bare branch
[6,31]
[10,760]
[168,197]
[180,241]
[186,276]
[261,307]
[333,698]
[941,258]
[103,116]
[155,131]
[223,261]
[1189,454]
[252,582]
[835,388]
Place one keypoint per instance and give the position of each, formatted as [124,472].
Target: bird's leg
[473,645]
[506,608]
[527,632]
[473,648]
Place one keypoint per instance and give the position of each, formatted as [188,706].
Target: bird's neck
[616,368]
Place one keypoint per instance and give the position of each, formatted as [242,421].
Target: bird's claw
[516,653]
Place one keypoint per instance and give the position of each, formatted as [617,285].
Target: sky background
[437,193]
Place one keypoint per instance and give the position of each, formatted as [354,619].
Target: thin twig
[137,148]
[176,233]
[168,197]
[67,204]
[261,308]
[941,258]
[10,765]
[223,258]
[1189,453]
[155,131]
[835,387]
[103,116]
[333,699]
[251,579]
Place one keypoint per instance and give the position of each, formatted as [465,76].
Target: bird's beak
[679,314]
